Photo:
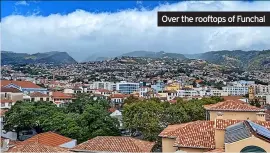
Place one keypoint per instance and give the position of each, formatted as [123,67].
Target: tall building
[127,87]
[103,85]
[251,93]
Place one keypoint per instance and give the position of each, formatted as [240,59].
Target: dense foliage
[83,119]
[150,117]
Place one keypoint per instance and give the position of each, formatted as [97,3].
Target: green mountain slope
[149,54]
[53,57]
[249,60]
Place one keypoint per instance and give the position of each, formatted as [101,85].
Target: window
[32,99]
[5,95]
[41,99]
[2,104]
[9,104]
[47,99]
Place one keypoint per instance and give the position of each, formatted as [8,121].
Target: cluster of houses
[230,126]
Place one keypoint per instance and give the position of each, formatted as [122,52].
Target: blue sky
[105,29]
[46,8]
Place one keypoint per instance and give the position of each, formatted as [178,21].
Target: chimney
[219,133]
[260,116]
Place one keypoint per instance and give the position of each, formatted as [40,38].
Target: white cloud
[83,33]
[22,3]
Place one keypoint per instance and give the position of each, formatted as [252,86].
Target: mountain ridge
[248,60]
[150,54]
[51,57]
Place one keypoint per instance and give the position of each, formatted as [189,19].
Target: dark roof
[246,129]
[236,132]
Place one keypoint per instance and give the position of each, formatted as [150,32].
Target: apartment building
[103,85]
[261,89]
[236,90]
[127,87]
[218,93]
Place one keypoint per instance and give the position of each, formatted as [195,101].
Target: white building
[143,91]
[103,85]
[261,89]
[218,93]
[236,90]
[127,87]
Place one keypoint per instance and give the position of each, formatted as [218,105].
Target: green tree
[150,117]
[84,119]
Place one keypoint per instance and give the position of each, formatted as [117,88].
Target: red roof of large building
[200,134]
[48,139]
[233,105]
[13,90]
[61,95]
[36,147]
[103,90]
[115,144]
[118,96]
[23,84]
[38,94]
[6,101]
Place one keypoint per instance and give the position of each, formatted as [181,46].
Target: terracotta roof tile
[60,95]
[48,138]
[233,105]
[118,96]
[13,90]
[115,144]
[103,90]
[38,94]
[36,147]
[23,84]
[6,101]
[221,124]
[199,134]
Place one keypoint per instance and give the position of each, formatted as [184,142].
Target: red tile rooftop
[115,144]
[23,84]
[233,105]
[48,139]
[38,94]
[200,134]
[13,90]
[36,147]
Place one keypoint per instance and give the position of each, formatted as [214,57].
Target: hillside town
[233,107]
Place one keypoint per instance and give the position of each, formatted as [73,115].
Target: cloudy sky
[87,28]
